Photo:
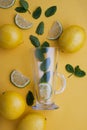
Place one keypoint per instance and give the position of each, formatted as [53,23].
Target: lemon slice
[22,22]
[55,31]
[18,79]
[6,3]
[45,91]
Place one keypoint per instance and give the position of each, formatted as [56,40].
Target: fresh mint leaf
[35,41]
[79,72]
[69,68]
[45,44]
[76,71]
[24,7]
[20,9]
[30,98]
[45,64]
[44,49]
[37,12]
[45,78]
[40,28]
[24,4]
[50,11]
[39,54]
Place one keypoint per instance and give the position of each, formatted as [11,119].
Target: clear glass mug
[44,66]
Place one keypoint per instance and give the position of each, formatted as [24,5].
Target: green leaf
[36,14]
[45,78]
[45,44]
[79,72]
[50,11]
[39,54]
[24,4]
[69,68]
[40,28]
[44,50]
[20,9]
[45,64]
[44,47]
[30,98]
[35,41]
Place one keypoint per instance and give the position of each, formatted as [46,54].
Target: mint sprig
[24,7]
[76,71]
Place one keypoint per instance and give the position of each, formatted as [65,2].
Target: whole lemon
[10,36]
[72,38]
[33,121]
[12,105]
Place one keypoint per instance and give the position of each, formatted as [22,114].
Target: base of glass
[45,106]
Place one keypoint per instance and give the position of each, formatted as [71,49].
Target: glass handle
[63,83]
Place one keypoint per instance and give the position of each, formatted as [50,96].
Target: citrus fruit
[12,105]
[22,22]
[33,121]
[45,91]
[10,36]
[72,38]
[6,3]
[55,31]
[18,79]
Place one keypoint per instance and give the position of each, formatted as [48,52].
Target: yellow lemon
[12,105]
[10,36]
[33,121]
[72,38]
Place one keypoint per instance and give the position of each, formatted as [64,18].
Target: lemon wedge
[18,79]
[6,3]
[55,31]
[22,22]
[45,91]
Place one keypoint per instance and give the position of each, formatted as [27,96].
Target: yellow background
[72,114]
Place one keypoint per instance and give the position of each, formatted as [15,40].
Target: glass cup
[44,66]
